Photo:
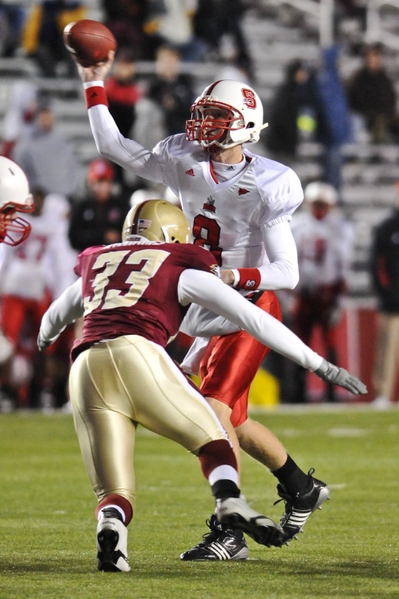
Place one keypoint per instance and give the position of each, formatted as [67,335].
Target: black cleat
[221,543]
[299,507]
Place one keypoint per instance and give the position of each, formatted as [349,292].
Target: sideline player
[239,206]
[135,295]
[324,239]
[15,198]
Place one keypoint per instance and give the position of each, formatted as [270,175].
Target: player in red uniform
[135,295]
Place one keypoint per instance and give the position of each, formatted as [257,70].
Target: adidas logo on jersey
[190,172]
[230,168]
[242,191]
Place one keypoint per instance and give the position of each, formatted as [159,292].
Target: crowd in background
[79,205]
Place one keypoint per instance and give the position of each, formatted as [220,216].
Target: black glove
[339,376]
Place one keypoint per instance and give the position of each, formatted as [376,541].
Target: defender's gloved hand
[339,376]
[42,344]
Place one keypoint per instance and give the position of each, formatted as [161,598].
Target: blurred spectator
[149,127]
[371,94]
[58,210]
[18,120]
[311,101]
[42,35]
[235,68]
[354,10]
[12,16]
[215,19]
[48,159]
[333,116]
[32,275]
[150,193]
[123,93]
[98,219]
[173,26]
[126,20]
[385,276]
[171,90]
[324,242]
[294,94]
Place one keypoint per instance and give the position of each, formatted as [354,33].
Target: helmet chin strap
[213,148]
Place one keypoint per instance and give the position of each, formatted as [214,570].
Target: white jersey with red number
[39,263]
[243,220]
[324,249]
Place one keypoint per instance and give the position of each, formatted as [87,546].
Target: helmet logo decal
[249,98]
[144,223]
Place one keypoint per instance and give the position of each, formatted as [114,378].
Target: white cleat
[235,512]
[381,403]
[112,543]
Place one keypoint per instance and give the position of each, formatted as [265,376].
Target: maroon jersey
[130,288]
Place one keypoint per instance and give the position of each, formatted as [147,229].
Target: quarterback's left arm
[281,272]
[64,310]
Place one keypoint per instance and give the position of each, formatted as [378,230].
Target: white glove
[339,376]
[43,344]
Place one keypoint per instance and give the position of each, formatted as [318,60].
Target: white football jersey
[231,216]
[324,249]
[244,220]
[38,263]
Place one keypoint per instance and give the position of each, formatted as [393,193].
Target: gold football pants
[116,385]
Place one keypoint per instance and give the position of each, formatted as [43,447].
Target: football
[89,41]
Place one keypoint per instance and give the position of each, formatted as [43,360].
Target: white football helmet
[322,192]
[237,115]
[14,197]
[156,220]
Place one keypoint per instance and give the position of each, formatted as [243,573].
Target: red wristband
[95,95]
[249,278]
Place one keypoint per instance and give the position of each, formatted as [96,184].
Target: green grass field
[349,549]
